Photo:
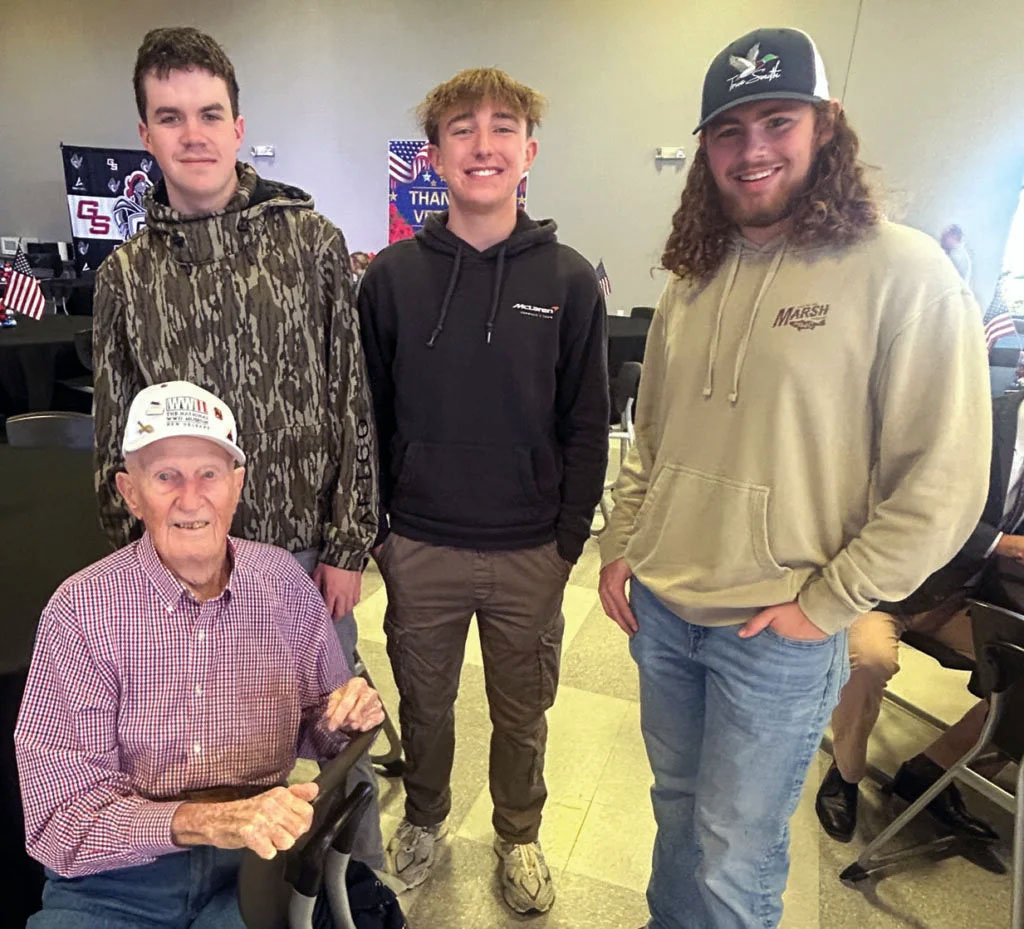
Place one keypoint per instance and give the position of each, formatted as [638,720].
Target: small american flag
[998,321]
[406,159]
[602,279]
[22,294]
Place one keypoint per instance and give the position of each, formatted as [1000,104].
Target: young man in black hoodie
[485,344]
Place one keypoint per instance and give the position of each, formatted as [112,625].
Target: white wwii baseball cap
[179,408]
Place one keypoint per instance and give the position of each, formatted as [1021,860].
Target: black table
[34,355]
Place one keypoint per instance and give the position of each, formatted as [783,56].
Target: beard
[763,215]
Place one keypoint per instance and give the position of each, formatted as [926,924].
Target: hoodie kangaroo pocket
[703,533]
[480,485]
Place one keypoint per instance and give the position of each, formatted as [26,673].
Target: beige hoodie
[813,424]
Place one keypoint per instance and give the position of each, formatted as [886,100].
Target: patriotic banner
[105,189]
[415,190]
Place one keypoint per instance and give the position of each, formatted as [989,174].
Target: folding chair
[281,893]
[999,651]
[51,430]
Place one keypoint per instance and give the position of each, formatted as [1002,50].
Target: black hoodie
[490,387]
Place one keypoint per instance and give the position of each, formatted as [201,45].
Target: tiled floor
[598,829]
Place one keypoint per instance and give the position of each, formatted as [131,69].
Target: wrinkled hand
[267,823]
[354,707]
[787,619]
[1011,546]
[340,588]
[612,589]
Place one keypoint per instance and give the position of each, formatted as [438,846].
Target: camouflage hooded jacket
[254,303]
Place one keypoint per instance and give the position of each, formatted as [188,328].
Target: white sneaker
[525,878]
[410,853]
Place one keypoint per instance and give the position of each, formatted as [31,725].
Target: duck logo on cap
[751,68]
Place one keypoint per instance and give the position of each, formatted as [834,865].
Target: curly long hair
[836,206]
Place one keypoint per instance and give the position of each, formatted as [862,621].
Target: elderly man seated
[172,685]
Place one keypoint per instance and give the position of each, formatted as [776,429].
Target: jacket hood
[207,237]
[526,234]
[436,236]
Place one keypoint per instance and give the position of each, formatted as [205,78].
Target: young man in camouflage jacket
[236,284]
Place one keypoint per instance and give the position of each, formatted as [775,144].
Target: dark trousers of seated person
[874,659]
[191,889]
[433,592]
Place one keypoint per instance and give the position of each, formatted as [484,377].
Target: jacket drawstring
[741,352]
[443,312]
[497,293]
[713,347]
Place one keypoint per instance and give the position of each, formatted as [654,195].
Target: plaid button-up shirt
[138,692]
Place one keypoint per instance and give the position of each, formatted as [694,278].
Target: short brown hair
[470,88]
[836,206]
[181,48]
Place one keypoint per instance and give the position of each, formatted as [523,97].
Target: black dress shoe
[836,806]
[918,774]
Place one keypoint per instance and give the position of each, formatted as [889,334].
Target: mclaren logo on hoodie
[806,316]
[541,312]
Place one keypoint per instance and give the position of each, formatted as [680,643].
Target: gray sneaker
[410,853]
[525,878]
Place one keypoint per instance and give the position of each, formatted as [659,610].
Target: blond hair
[472,87]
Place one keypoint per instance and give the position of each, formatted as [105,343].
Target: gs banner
[415,189]
[106,187]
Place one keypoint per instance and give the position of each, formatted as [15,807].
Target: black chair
[999,647]
[83,347]
[624,391]
[642,312]
[81,383]
[281,893]
[51,430]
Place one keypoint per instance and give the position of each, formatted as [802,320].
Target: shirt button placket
[201,666]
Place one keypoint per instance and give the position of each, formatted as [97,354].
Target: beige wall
[931,90]
[935,93]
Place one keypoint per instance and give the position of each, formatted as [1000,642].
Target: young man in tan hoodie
[812,437]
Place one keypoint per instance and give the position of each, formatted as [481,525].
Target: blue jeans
[191,889]
[731,726]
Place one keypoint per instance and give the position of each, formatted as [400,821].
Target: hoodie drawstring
[443,312]
[497,293]
[453,280]
[741,352]
[713,348]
